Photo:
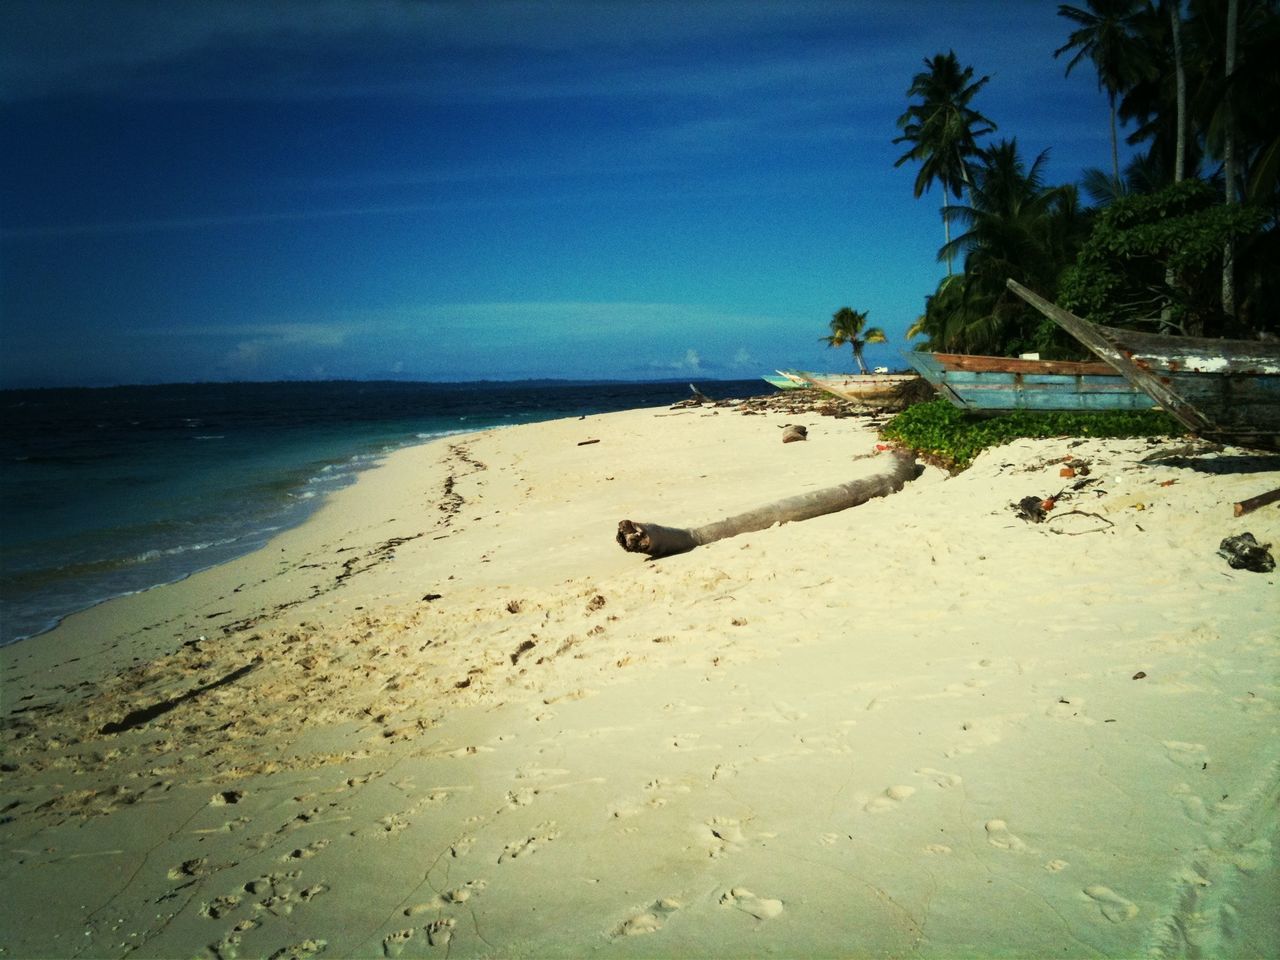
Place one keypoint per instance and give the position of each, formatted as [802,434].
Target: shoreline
[294,512]
[468,723]
[270,483]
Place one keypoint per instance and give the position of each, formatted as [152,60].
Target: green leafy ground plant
[952,438]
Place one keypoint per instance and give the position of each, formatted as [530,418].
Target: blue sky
[312,189]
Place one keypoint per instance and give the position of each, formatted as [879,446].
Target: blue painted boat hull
[1020,387]
[1222,390]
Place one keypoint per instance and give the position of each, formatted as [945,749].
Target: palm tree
[848,326]
[943,129]
[1017,227]
[1104,37]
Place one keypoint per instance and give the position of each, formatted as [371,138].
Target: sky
[402,189]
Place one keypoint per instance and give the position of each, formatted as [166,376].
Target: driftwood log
[655,540]
[1253,503]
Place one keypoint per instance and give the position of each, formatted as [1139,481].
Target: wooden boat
[874,391]
[784,380]
[992,384]
[1222,390]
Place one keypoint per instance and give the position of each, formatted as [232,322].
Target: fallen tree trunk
[655,540]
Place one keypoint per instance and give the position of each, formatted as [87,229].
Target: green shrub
[952,438]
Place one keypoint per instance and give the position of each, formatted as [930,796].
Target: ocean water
[105,492]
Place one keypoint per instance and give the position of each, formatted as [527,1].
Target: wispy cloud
[163,224]
[460,51]
[325,333]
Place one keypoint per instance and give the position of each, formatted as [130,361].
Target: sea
[110,491]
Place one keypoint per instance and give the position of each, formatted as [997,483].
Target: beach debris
[792,432]
[1106,524]
[427,598]
[1180,451]
[1140,675]
[585,443]
[1031,509]
[1253,503]
[655,541]
[1244,552]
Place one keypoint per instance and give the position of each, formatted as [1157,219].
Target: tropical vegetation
[1183,238]
[850,326]
[952,438]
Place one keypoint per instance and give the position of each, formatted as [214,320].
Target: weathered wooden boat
[992,384]
[874,391]
[784,380]
[1222,390]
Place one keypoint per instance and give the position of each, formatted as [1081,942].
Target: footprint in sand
[1192,755]
[888,800]
[724,835]
[519,798]
[277,893]
[1114,907]
[1192,805]
[188,869]
[390,825]
[239,823]
[647,921]
[457,895]
[1056,866]
[220,907]
[305,853]
[393,944]
[304,950]
[998,835]
[759,907]
[440,932]
[940,778]
[465,892]
[523,847]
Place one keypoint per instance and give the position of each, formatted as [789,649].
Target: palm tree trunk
[857,355]
[1229,164]
[1180,155]
[655,540]
[1180,149]
[1115,142]
[946,230]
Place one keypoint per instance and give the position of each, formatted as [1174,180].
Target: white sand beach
[449,716]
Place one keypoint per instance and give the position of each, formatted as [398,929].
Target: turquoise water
[109,491]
